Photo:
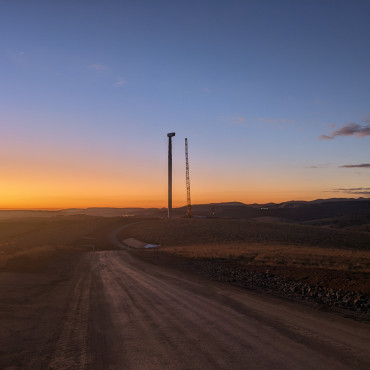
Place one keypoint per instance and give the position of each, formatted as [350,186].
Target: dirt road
[126,314]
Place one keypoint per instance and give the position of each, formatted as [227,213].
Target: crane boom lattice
[188,213]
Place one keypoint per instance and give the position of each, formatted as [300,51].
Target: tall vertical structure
[170,135]
[188,213]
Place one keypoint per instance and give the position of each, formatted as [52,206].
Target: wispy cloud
[239,121]
[323,165]
[97,67]
[349,129]
[366,118]
[325,137]
[351,189]
[361,192]
[352,129]
[362,165]
[207,90]
[121,82]
[354,191]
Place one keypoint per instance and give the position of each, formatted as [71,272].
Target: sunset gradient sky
[273,96]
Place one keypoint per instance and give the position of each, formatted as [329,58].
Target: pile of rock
[264,280]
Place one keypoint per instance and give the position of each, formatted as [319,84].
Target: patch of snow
[151,246]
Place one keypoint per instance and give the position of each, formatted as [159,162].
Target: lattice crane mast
[188,213]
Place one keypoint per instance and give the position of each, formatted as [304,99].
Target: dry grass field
[257,243]
[278,255]
[331,257]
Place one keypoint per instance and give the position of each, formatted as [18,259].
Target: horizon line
[57,209]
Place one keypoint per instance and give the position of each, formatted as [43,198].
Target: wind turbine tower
[170,135]
[188,213]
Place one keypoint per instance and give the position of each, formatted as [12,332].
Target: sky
[273,96]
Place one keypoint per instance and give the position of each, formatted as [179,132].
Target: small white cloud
[97,67]
[325,137]
[121,82]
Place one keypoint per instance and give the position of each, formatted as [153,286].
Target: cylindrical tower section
[170,135]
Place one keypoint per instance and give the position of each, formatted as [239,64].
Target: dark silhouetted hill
[323,212]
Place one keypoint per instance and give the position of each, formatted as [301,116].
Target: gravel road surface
[126,314]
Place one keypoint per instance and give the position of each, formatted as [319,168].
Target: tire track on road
[71,349]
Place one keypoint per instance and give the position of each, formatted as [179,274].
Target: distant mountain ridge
[291,210]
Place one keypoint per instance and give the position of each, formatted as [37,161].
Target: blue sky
[89,90]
